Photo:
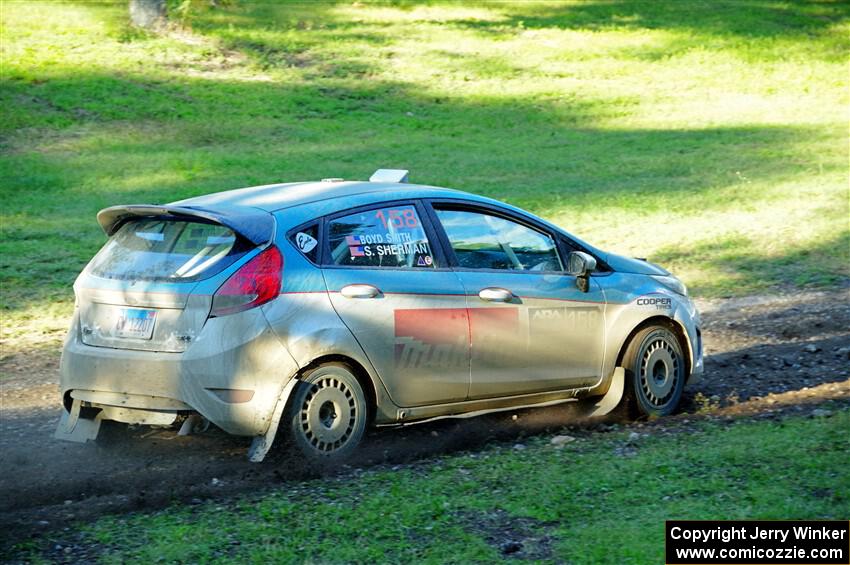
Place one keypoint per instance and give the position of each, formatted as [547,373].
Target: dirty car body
[320,308]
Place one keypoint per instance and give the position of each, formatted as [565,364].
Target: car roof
[333,195]
[274,197]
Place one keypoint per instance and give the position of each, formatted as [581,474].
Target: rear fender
[310,329]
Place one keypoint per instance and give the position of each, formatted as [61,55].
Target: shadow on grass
[323,42]
[800,20]
[145,140]
[722,17]
[347,127]
[78,141]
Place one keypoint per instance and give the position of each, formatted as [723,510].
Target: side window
[307,241]
[383,237]
[484,241]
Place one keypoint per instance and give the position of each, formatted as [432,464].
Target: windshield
[168,250]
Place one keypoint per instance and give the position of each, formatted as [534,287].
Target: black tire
[328,414]
[655,371]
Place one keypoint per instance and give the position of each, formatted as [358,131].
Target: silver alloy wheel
[656,369]
[661,370]
[328,414]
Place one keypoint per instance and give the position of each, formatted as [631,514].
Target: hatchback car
[318,309]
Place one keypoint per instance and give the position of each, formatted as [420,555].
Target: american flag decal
[355,247]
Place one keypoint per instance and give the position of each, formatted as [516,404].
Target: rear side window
[383,237]
[484,241]
[168,250]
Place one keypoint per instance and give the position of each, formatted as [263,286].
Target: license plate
[135,323]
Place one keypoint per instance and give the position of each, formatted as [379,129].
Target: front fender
[633,300]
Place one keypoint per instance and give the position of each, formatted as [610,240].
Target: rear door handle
[360,291]
[493,294]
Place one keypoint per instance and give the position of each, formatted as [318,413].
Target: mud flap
[261,444]
[73,428]
[612,398]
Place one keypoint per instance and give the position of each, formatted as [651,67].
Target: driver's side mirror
[580,265]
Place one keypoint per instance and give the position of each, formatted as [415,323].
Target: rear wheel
[655,371]
[328,414]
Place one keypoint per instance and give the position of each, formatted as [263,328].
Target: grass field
[710,137]
[602,498]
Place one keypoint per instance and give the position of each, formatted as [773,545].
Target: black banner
[745,542]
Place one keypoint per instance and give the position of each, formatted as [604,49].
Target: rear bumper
[232,374]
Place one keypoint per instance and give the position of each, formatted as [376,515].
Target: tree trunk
[147,14]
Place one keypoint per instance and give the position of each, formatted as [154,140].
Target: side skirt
[483,412]
[472,408]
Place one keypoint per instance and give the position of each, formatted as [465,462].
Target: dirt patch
[514,537]
[765,356]
[763,347]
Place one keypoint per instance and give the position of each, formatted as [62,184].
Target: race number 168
[398,218]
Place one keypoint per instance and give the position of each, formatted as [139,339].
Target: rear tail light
[255,283]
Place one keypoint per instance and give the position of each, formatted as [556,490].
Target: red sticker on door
[432,338]
[439,338]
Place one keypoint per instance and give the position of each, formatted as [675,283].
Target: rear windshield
[168,250]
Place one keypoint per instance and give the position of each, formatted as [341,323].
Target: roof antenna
[389,175]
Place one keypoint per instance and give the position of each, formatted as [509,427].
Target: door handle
[493,294]
[360,291]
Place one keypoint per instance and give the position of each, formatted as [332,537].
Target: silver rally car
[316,309]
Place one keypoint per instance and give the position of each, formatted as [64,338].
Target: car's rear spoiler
[255,225]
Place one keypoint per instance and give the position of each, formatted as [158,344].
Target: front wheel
[328,414]
[655,371]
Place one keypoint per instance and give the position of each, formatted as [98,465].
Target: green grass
[599,499]
[708,136]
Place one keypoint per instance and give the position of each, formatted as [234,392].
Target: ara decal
[545,321]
